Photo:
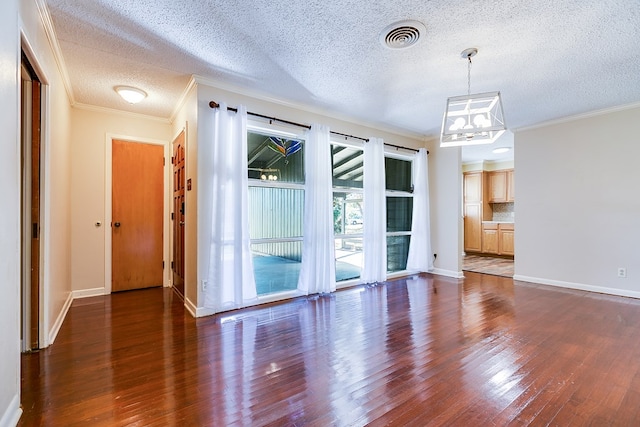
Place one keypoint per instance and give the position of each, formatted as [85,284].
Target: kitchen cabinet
[501,186]
[505,239]
[476,209]
[510,186]
[490,238]
[497,238]
[498,186]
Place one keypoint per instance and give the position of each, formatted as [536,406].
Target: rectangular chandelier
[472,119]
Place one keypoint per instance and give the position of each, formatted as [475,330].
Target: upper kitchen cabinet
[510,186]
[501,186]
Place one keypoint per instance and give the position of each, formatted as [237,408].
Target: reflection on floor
[426,350]
[488,265]
[277,274]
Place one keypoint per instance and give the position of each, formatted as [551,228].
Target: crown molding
[262,96]
[183,98]
[580,116]
[47,23]
[50,32]
[104,110]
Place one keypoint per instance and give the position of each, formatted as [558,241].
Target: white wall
[445,179]
[9,217]
[56,223]
[578,203]
[88,188]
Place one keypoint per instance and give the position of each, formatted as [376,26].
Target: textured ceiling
[549,58]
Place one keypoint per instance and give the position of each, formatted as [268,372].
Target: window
[399,185]
[276,209]
[347,166]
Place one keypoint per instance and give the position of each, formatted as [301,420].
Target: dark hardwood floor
[430,350]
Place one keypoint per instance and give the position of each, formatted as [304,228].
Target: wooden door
[31,118]
[178,161]
[137,189]
[35,215]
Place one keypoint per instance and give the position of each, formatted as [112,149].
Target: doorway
[137,215]
[30,205]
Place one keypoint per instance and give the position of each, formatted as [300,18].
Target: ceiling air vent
[402,34]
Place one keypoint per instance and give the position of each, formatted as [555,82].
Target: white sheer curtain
[375,213]
[420,247]
[318,270]
[231,282]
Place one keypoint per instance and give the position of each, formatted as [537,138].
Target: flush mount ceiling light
[500,150]
[131,94]
[402,34]
[472,119]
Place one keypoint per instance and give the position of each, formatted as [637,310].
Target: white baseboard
[191,307]
[204,311]
[86,293]
[12,414]
[579,286]
[53,333]
[448,273]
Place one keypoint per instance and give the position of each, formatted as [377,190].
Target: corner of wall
[12,414]
[55,328]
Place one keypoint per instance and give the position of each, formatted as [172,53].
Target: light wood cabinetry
[476,209]
[498,186]
[481,235]
[505,239]
[497,238]
[472,227]
[501,186]
[490,238]
[510,187]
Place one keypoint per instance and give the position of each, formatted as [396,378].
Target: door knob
[181,223]
[116,224]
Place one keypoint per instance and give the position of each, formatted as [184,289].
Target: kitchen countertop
[498,222]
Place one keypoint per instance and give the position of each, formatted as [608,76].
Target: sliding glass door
[276,209]
[348,208]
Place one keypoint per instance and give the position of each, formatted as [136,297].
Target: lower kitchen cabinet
[505,239]
[490,238]
[497,238]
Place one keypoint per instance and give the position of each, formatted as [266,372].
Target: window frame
[357,145]
[271,129]
[408,156]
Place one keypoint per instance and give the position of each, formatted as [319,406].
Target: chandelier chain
[469,77]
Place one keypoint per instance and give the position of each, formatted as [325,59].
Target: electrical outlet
[622,272]
[204,285]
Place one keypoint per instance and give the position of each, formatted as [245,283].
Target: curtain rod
[214,104]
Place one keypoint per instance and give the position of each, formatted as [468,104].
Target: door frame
[108,203]
[45,336]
